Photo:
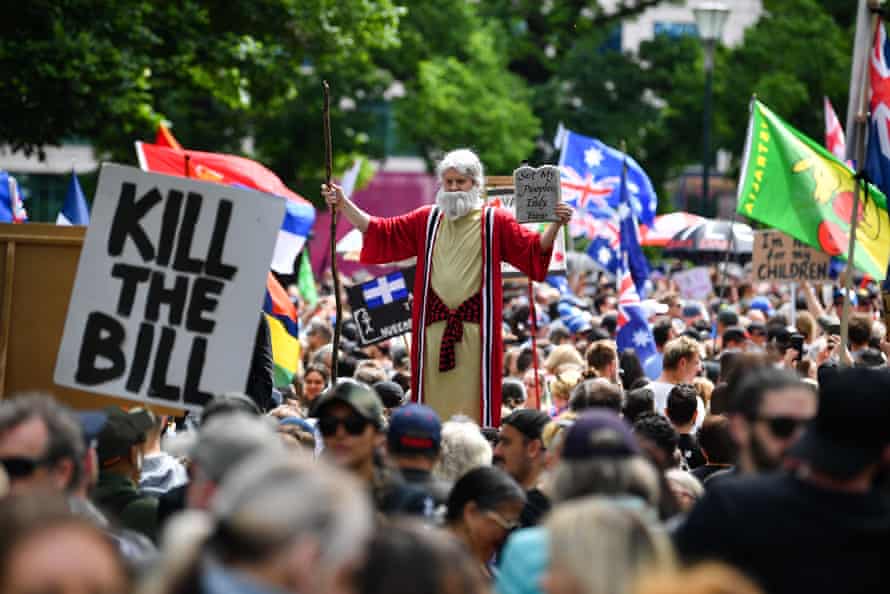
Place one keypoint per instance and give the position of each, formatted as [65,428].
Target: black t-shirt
[690,451]
[702,473]
[536,506]
[791,536]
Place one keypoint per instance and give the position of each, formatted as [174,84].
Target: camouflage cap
[357,395]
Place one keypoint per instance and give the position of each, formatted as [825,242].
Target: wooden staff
[329,165]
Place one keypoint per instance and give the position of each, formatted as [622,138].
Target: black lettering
[214,265]
[200,302]
[182,261]
[141,357]
[131,276]
[102,337]
[192,393]
[168,226]
[159,295]
[159,388]
[126,220]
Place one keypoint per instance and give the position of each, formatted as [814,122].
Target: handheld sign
[504,197]
[538,191]
[780,258]
[694,283]
[381,307]
[169,288]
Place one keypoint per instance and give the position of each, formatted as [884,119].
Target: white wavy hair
[465,162]
[463,449]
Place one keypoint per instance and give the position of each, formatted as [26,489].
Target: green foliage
[476,103]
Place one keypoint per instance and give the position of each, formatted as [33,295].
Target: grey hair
[65,436]
[256,514]
[465,162]
[606,544]
[606,475]
[463,449]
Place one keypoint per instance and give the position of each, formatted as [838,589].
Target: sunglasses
[19,467]
[783,427]
[501,521]
[354,425]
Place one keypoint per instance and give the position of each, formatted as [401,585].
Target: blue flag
[74,210]
[633,328]
[591,175]
[877,156]
[385,289]
[11,208]
[629,233]
[604,246]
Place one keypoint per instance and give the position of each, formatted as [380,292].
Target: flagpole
[859,153]
[328,153]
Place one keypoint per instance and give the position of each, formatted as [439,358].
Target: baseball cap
[121,431]
[690,310]
[763,304]
[727,317]
[391,394]
[852,425]
[91,423]
[356,395]
[735,334]
[414,428]
[527,421]
[599,433]
[227,439]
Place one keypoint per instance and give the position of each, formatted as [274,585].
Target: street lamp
[710,18]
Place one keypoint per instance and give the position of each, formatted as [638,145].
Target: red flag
[165,138]
[213,167]
[834,134]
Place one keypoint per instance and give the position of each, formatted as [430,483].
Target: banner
[169,289]
[381,307]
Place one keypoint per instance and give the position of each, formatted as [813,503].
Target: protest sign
[169,288]
[504,197]
[538,191]
[780,258]
[381,307]
[694,283]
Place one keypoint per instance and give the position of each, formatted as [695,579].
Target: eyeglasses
[501,521]
[354,425]
[20,467]
[783,427]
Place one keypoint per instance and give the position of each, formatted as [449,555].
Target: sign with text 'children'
[169,288]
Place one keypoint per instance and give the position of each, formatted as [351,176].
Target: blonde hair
[681,347]
[561,385]
[561,355]
[605,545]
[705,388]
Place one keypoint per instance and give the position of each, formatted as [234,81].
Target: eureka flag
[791,183]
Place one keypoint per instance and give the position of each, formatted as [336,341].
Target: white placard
[538,191]
[694,283]
[169,288]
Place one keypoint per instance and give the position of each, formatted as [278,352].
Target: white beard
[458,204]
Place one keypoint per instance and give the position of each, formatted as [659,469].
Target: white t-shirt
[662,390]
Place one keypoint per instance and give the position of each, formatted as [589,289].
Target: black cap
[122,430]
[527,421]
[391,394]
[727,317]
[852,426]
[599,433]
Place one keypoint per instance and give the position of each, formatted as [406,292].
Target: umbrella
[667,226]
[710,238]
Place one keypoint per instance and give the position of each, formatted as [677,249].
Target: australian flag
[631,252]
[633,328]
[877,157]
[591,175]
[605,245]
[385,289]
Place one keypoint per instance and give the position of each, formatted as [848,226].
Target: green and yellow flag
[791,183]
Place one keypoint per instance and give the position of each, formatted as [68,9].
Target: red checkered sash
[468,311]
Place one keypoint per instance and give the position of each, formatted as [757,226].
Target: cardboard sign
[694,283]
[169,288]
[780,258]
[381,307]
[538,191]
[504,197]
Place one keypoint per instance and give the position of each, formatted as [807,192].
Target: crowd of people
[749,454]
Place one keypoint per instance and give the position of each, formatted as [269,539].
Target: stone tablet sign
[504,197]
[780,258]
[169,288]
[538,191]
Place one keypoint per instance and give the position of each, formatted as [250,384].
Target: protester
[315,381]
[44,547]
[463,449]
[682,363]
[602,359]
[658,439]
[520,452]
[596,393]
[703,578]
[414,442]
[598,545]
[717,447]
[785,529]
[638,402]
[160,471]
[483,508]
[681,412]
[455,374]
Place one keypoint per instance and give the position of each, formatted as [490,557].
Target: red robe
[503,239]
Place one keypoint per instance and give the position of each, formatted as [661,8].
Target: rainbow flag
[284,331]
